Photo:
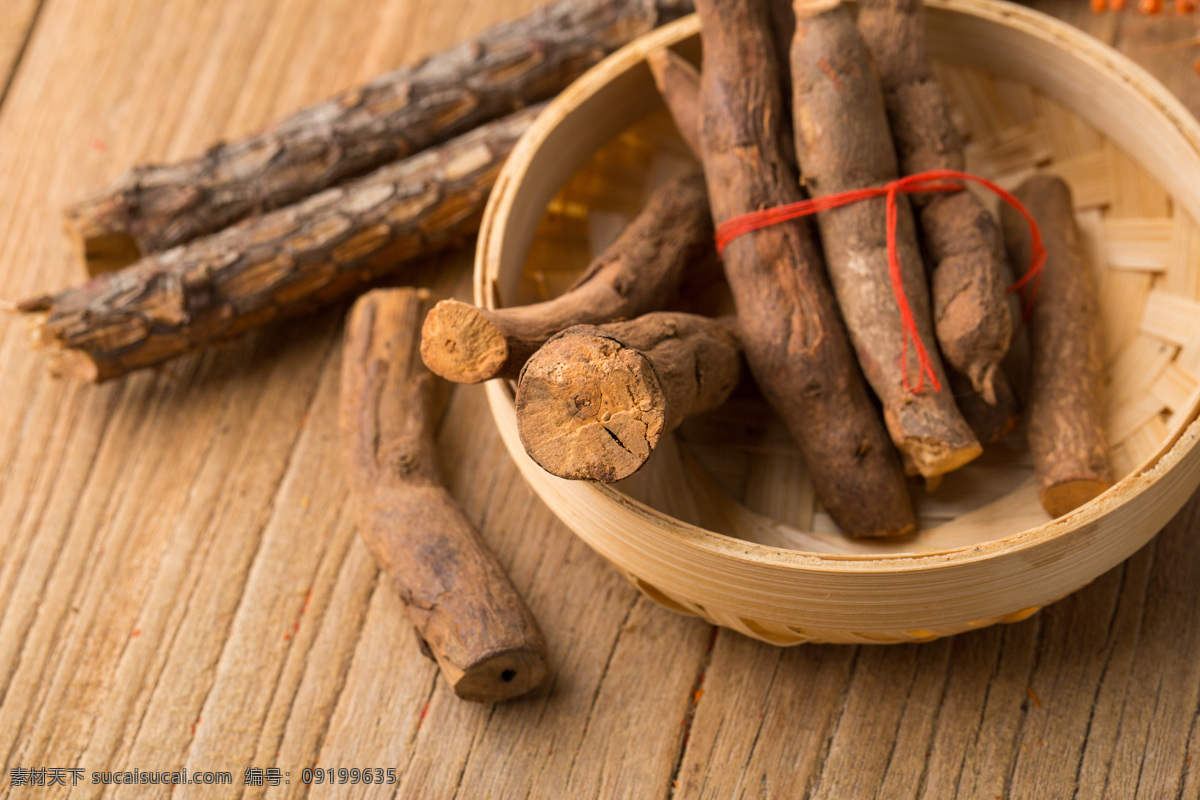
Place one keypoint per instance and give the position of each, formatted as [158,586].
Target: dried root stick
[790,328]
[280,264]
[679,84]
[968,284]
[843,143]
[455,593]
[155,207]
[1066,435]
[595,400]
[639,272]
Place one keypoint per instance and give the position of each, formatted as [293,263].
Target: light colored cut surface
[459,337]
[593,409]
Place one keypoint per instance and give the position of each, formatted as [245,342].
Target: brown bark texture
[641,271]
[793,336]
[990,422]
[967,277]
[155,207]
[457,596]
[1066,433]
[679,84]
[595,400]
[783,28]
[843,143]
[280,264]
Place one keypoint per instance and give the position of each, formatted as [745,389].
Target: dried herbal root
[595,400]
[990,422]
[455,593]
[843,143]
[789,325]
[967,280]
[280,264]
[155,207]
[679,84]
[639,272]
[1066,435]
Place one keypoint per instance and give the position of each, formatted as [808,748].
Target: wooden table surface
[181,583]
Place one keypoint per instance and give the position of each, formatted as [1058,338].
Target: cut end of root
[589,408]
[64,362]
[503,676]
[934,459]
[460,343]
[1063,498]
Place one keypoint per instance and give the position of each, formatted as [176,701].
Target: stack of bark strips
[329,199]
[740,473]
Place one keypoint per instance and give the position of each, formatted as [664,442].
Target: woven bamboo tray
[722,522]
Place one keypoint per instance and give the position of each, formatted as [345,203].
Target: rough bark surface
[641,271]
[843,143]
[455,593]
[593,403]
[967,283]
[1066,434]
[155,207]
[276,265]
[790,328]
[990,422]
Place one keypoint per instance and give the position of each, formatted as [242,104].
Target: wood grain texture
[17,19]
[177,550]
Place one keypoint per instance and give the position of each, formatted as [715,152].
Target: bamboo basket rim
[1153,471]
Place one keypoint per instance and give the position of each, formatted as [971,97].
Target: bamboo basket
[722,522]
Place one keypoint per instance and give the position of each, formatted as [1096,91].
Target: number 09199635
[342,775]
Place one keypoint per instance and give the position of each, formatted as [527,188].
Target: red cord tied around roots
[937,180]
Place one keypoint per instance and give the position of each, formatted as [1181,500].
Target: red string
[937,180]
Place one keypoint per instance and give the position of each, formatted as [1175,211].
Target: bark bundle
[792,333]
[970,310]
[457,596]
[843,142]
[1066,434]
[641,271]
[514,64]
[280,264]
